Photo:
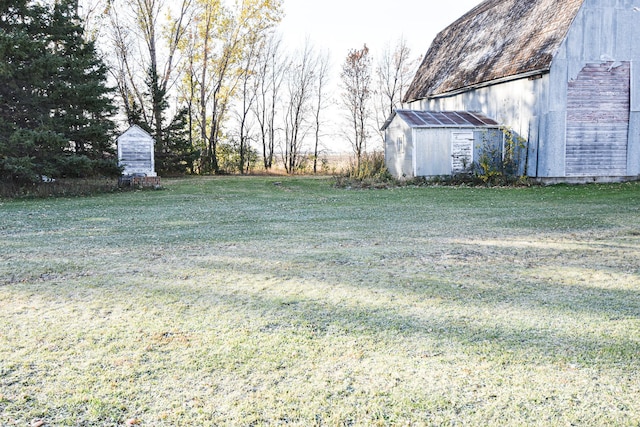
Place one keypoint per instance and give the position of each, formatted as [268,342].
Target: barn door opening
[598,120]
[461,151]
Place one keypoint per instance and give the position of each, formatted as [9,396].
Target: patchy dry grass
[260,301]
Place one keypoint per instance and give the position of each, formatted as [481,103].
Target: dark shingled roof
[498,39]
[431,119]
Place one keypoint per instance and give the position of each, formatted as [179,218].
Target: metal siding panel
[633,155]
[632,29]
[532,146]
[634,34]
[410,163]
[552,153]
[542,166]
[591,35]
[572,45]
[624,33]
[608,32]
[558,87]
[394,160]
[635,85]
[487,139]
[406,158]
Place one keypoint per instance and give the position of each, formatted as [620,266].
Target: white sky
[341,25]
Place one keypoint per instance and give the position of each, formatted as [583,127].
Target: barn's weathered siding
[598,121]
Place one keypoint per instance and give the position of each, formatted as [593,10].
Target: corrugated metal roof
[429,119]
[496,40]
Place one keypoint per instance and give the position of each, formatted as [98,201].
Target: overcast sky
[341,25]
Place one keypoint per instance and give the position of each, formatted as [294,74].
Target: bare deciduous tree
[322,78]
[394,71]
[300,83]
[356,97]
[248,86]
[272,69]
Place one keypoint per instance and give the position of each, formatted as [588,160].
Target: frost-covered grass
[263,301]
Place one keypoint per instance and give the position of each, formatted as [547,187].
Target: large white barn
[563,75]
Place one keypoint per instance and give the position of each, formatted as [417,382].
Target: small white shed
[136,152]
[430,143]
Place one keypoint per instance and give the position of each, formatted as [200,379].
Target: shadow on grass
[505,323]
[492,335]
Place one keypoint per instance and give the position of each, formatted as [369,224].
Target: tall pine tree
[54,102]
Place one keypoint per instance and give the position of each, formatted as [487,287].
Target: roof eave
[454,126]
[387,123]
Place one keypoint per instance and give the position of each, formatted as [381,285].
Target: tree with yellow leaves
[219,42]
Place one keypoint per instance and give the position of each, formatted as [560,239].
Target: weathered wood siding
[462,158]
[598,120]
[136,152]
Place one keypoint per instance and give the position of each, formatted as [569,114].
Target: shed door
[432,152]
[461,151]
[598,120]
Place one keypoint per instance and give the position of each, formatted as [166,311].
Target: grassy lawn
[282,301]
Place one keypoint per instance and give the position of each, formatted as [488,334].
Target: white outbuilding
[430,143]
[136,152]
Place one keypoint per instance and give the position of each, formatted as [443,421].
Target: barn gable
[497,40]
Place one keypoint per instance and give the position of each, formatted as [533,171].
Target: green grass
[264,301]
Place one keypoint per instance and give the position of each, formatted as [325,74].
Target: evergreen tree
[176,155]
[54,102]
